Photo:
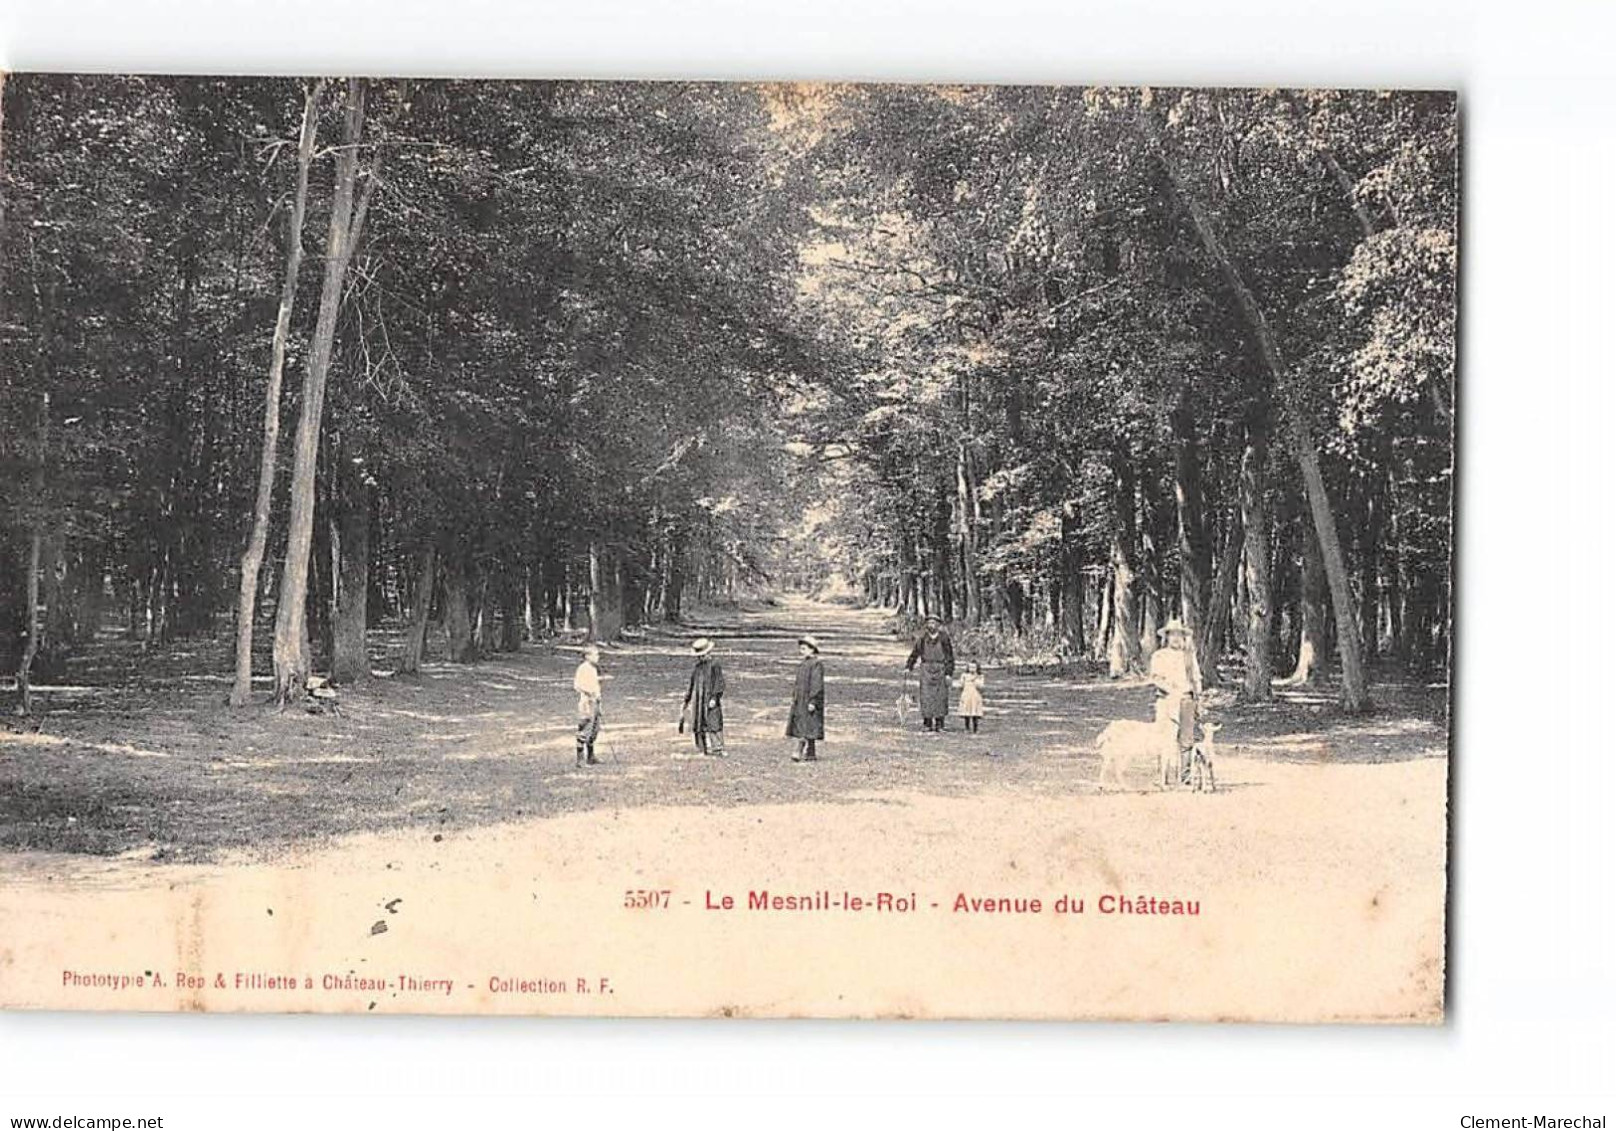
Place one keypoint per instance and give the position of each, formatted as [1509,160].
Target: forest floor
[438,825]
[141,757]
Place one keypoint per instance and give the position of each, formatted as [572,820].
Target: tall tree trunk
[1399,582]
[1105,601]
[326,551]
[480,613]
[1285,586]
[1150,572]
[346,226]
[533,601]
[1430,642]
[30,644]
[633,594]
[970,515]
[457,613]
[1070,620]
[555,586]
[942,543]
[1371,538]
[1354,693]
[426,576]
[968,503]
[171,530]
[674,593]
[513,592]
[1123,651]
[1310,653]
[31,561]
[908,599]
[75,602]
[605,594]
[350,655]
[1194,546]
[997,596]
[1209,644]
[36,536]
[252,559]
[156,603]
[1259,680]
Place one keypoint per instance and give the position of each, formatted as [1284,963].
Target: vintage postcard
[693,549]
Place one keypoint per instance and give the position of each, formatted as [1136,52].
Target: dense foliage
[1047,359]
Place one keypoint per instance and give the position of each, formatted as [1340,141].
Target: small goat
[1201,758]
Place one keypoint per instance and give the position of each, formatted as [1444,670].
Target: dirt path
[167,772]
[439,827]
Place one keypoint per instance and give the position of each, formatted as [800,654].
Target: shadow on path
[183,777]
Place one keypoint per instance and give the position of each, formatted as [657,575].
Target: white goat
[1129,746]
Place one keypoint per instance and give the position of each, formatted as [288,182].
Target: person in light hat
[934,652]
[586,682]
[704,700]
[807,722]
[1177,677]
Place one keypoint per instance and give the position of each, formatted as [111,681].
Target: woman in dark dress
[934,652]
[807,722]
[704,700]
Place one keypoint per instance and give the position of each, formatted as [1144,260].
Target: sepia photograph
[721,549]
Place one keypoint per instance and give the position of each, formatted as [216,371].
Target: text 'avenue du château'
[825,900]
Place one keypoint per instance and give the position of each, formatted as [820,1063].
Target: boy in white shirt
[586,682]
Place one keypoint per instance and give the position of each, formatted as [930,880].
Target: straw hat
[592,650]
[810,641]
[701,646]
[1172,626]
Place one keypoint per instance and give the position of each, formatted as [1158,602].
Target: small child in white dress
[970,700]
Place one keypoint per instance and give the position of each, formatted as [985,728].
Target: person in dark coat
[807,723]
[934,652]
[704,700]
